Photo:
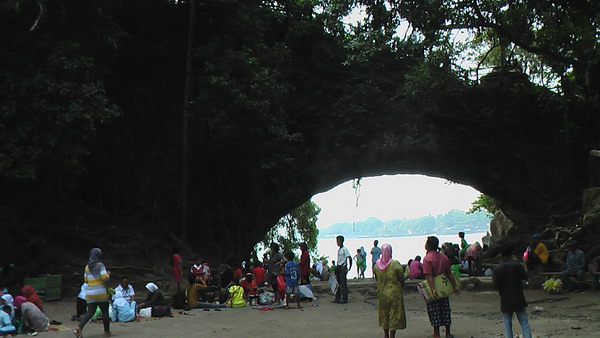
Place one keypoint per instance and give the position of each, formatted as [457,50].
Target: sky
[392,197]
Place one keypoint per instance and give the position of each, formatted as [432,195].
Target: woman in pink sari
[389,275]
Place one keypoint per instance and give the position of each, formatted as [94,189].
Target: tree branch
[38,18]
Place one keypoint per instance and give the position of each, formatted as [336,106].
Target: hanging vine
[356,186]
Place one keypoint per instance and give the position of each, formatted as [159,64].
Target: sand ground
[474,314]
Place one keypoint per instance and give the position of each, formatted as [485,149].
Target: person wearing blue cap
[536,255]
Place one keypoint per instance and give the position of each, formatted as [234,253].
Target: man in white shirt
[126,290]
[344,263]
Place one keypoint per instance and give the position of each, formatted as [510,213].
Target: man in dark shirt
[574,267]
[508,279]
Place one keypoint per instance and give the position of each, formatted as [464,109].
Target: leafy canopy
[298,226]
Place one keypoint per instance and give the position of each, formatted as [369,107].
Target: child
[197,267]
[6,326]
[236,294]
[292,272]
[250,288]
[81,304]
[361,265]
[260,274]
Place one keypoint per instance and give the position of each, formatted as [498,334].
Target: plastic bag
[266,298]
[281,286]
[146,312]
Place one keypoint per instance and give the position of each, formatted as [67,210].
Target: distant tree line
[449,223]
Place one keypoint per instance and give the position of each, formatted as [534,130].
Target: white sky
[392,197]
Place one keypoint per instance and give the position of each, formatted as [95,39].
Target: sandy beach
[475,313]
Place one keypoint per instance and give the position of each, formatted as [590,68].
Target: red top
[435,263]
[196,270]
[176,266]
[32,296]
[249,285]
[304,264]
[259,273]
[416,269]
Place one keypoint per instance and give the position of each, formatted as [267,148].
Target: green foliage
[483,203]
[52,98]
[298,226]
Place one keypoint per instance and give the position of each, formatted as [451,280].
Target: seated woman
[416,269]
[6,325]
[7,300]
[32,297]
[34,319]
[156,300]
[122,310]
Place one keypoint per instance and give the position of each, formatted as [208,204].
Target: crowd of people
[279,279]
[22,312]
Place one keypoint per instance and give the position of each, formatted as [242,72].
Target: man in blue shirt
[375,254]
[575,264]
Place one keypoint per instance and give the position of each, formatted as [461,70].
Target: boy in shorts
[292,273]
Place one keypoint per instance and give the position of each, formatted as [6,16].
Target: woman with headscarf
[8,300]
[389,275]
[156,300]
[96,276]
[34,319]
[32,297]
[122,310]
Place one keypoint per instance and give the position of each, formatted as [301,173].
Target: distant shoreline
[477,231]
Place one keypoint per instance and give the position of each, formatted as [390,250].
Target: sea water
[403,248]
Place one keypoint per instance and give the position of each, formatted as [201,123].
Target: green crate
[48,287]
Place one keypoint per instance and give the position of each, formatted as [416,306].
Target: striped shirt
[96,289]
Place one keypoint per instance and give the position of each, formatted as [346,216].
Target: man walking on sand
[508,279]
[344,263]
[375,254]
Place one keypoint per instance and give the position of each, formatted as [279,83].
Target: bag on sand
[333,284]
[161,311]
[266,298]
[443,287]
[146,312]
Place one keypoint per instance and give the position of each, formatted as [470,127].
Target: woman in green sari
[390,294]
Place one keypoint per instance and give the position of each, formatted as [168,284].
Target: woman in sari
[96,276]
[390,294]
[434,264]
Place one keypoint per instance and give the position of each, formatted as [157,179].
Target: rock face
[507,143]
[500,225]
[488,137]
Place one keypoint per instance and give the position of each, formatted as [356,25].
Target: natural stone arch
[507,143]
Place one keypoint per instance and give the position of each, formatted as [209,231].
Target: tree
[294,228]
[483,202]
[52,93]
